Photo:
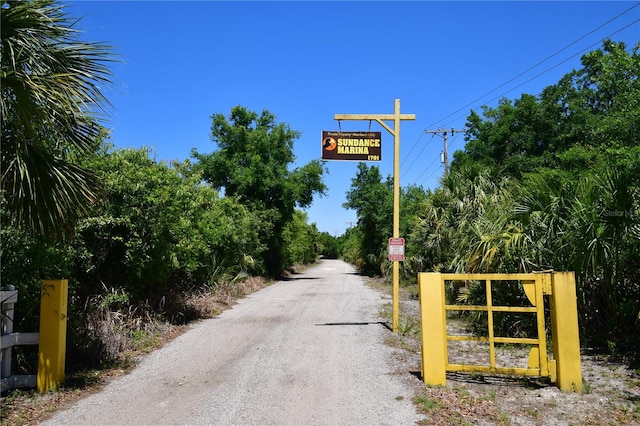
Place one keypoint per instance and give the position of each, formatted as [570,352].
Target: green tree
[372,199]
[159,229]
[349,246]
[572,156]
[158,235]
[468,225]
[252,164]
[413,200]
[596,106]
[52,105]
[301,240]
[591,226]
[328,245]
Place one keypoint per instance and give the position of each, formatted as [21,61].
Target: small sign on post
[396,249]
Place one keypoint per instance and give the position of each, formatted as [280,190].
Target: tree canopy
[253,164]
[547,181]
[555,184]
[145,242]
[372,199]
[592,113]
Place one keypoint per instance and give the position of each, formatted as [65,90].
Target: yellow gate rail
[564,369]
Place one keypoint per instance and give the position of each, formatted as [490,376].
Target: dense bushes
[253,163]
[544,182]
[158,235]
[133,235]
[372,200]
[159,227]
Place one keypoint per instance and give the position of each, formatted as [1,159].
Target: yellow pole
[432,328]
[53,334]
[564,329]
[396,215]
[379,118]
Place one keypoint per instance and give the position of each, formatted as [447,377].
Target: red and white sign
[396,249]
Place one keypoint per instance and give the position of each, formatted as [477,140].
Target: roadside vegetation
[547,181]
[146,245]
[611,390]
[550,181]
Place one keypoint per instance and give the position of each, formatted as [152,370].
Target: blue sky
[305,61]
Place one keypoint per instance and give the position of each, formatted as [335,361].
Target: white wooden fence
[8,298]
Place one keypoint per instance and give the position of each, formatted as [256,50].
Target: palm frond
[52,106]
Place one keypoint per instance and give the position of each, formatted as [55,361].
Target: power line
[427,168]
[545,60]
[432,163]
[429,177]
[412,148]
[555,66]
[445,160]
[420,153]
[535,66]
[454,139]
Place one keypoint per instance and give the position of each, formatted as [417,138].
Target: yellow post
[432,330]
[564,331]
[53,334]
[395,131]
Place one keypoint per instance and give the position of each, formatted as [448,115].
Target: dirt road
[306,351]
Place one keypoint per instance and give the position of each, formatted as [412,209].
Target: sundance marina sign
[352,146]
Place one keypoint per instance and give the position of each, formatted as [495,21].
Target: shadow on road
[299,278]
[529,382]
[356,323]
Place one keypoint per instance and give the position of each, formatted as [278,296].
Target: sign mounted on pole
[394,129]
[396,249]
[351,146]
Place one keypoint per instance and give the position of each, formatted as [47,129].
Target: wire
[527,81]
[425,170]
[454,139]
[456,134]
[429,166]
[555,66]
[420,153]
[543,61]
[532,67]
[430,176]
[412,148]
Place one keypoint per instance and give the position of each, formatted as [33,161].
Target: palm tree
[52,106]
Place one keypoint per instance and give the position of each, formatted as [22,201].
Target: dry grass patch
[446,406]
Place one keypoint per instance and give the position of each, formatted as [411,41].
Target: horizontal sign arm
[377,117]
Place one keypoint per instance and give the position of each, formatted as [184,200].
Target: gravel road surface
[306,351]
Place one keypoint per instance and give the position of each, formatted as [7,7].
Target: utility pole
[445,153]
[396,117]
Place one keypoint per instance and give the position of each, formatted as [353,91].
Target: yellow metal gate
[564,369]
